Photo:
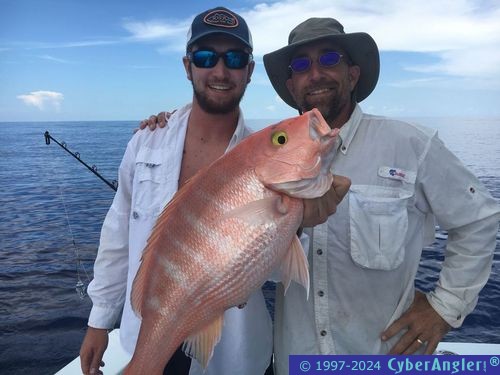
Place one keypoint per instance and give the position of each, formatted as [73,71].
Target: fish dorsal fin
[201,345]
[295,266]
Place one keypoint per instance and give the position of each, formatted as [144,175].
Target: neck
[342,117]
[212,126]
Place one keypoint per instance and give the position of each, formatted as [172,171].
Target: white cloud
[471,62]
[411,25]
[171,35]
[464,35]
[154,30]
[461,33]
[55,59]
[79,44]
[419,82]
[43,100]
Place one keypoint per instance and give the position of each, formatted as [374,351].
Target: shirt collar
[240,132]
[348,130]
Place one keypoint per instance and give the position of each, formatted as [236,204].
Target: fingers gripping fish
[223,234]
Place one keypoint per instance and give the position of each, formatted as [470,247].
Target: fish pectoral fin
[261,211]
[295,266]
[201,345]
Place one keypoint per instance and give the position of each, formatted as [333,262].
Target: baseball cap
[219,20]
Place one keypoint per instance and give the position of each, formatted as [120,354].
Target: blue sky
[121,60]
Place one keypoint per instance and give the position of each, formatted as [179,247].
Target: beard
[220,106]
[330,106]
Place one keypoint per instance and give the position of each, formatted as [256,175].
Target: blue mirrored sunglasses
[303,64]
[204,58]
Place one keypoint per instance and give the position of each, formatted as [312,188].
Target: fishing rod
[81,287]
[113,184]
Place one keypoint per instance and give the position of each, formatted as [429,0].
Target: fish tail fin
[295,266]
[201,345]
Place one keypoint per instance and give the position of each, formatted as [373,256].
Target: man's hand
[93,347]
[423,326]
[160,120]
[317,210]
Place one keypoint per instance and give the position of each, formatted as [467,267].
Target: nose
[315,71]
[220,69]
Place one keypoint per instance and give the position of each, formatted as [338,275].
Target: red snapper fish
[222,235]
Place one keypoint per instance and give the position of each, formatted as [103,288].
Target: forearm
[465,270]
[107,289]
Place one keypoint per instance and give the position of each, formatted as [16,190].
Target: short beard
[217,107]
[330,110]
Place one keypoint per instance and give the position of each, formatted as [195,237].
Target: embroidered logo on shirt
[397,174]
[394,172]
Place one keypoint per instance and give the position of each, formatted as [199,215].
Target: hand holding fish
[317,210]
[424,327]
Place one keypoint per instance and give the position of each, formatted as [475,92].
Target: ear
[251,67]
[187,67]
[353,75]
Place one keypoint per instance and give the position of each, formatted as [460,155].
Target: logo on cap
[221,18]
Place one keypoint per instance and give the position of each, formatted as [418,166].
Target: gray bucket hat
[360,47]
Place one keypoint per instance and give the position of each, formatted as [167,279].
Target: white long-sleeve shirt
[148,179]
[364,259]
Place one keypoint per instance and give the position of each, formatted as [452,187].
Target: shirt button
[344,148]
[323,333]
[321,293]
[459,317]
[135,215]
[319,251]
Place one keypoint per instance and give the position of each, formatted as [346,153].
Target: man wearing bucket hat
[364,259]
[219,64]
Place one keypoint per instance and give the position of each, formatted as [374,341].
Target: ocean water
[52,208]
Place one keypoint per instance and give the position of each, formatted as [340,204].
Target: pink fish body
[223,234]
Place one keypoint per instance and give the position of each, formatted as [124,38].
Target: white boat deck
[116,358]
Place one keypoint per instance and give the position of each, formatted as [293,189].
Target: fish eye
[279,138]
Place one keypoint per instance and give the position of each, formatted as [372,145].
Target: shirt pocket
[378,226]
[150,178]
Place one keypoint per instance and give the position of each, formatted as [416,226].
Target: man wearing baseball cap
[363,260]
[219,64]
